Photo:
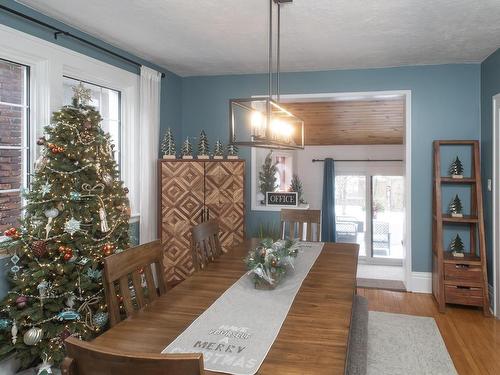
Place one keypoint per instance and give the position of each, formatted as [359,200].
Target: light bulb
[257,120]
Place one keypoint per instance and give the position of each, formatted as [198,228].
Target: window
[369,209]
[108,103]
[14,136]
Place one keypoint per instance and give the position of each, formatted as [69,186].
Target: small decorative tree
[456,207]
[187,149]
[456,169]
[232,151]
[203,148]
[296,186]
[168,145]
[219,150]
[457,247]
[267,176]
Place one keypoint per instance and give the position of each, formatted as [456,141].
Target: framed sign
[278,199]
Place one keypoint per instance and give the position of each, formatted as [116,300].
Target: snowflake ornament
[81,94]
[72,226]
[45,188]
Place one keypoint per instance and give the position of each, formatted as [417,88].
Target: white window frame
[48,64]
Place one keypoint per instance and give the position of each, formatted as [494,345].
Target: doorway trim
[407,262]
[496,202]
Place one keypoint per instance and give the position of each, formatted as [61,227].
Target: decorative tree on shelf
[296,186]
[77,213]
[232,151]
[168,145]
[457,246]
[267,176]
[203,148]
[187,149]
[456,169]
[219,150]
[456,207]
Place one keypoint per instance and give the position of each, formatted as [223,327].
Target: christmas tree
[267,175]
[296,186]
[456,207]
[203,148]
[232,151]
[187,149]
[456,168]
[219,149]
[457,246]
[168,144]
[77,213]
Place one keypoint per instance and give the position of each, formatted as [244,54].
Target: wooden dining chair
[83,358]
[135,264]
[299,218]
[205,244]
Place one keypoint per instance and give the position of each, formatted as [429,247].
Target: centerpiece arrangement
[269,262]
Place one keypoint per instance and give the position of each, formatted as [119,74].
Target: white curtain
[149,132]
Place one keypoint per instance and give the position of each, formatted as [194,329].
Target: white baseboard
[491,296]
[421,282]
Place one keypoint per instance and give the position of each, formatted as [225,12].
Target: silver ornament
[100,319]
[107,179]
[33,336]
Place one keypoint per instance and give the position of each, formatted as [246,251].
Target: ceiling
[207,37]
[352,122]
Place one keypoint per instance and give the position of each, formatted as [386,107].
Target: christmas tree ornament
[45,188]
[94,274]
[21,302]
[40,141]
[50,214]
[39,248]
[168,145]
[13,332]
[81,95]
[456,169]
[232,151]
[42,290]
[87,125]
[12,233]
[70,301]
[187,149]
[68,315]
[456,207]
[108,249]
[74,196]
[33,336]
[41,163]
[107,179]
[100,319]
[219,150]
[268,182]
[125,190]
[14,259]
[457,247]
[68,256]
[296,186]
[72,226]
[203,148]
[103,219]
[5,324]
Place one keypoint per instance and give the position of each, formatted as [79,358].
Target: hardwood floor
[472,340]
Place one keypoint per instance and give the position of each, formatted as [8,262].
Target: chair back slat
[120,268]
[205,244]
[294,217]
[84,358]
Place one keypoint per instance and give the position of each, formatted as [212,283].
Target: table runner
[236,332]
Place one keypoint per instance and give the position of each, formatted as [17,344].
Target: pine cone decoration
[39,248]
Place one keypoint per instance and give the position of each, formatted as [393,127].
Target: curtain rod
[58,32]
[354,160]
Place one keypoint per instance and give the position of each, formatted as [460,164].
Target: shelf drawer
[463,295]
[463,272]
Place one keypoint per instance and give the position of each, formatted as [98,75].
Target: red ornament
[108,249]
[62,249]
[39,248]
[21,302]
[12,233]
[67,256]
[87,125]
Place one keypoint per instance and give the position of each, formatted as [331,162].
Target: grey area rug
[403,344]
[395,285]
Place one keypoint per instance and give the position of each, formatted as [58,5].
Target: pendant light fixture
[263,121]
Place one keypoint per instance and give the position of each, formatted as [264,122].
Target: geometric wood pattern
[192,191]
[352,122]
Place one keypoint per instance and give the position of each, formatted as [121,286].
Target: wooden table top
[312,340]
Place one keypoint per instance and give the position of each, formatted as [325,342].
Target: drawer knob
[461,266]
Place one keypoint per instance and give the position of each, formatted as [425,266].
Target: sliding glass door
[369,209]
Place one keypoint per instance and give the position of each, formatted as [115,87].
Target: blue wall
[490,86]
[445,105]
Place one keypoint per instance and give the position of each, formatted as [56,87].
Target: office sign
[281,199]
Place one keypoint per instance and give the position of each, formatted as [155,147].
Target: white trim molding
[421,282]
[495,298]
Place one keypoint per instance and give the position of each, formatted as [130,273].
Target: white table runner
[237,331]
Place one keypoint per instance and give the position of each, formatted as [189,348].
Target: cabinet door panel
[182,202]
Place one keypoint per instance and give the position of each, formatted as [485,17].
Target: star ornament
[81,94]
[72,226]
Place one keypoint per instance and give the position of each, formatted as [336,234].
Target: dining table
[313,339]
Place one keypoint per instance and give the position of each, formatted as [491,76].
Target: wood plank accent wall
[352,122]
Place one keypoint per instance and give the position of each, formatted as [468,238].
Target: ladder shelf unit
[459,280]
